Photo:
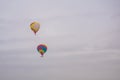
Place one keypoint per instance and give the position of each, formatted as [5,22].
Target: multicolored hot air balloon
[35,26]
[42,48]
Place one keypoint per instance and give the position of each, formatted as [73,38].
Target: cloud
[82,39]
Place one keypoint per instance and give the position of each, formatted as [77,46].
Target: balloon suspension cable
[35,33]
[42,56]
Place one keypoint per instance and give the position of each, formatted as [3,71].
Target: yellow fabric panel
[35,26]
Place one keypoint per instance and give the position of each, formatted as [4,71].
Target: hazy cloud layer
[82,38]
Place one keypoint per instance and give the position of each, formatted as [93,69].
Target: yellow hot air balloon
[35,26]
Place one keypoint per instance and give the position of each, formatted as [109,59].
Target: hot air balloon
[35,26]
[42,48]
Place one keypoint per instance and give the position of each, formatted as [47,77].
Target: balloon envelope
[35,26]
[42,48]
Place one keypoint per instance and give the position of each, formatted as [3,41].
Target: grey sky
[82,38]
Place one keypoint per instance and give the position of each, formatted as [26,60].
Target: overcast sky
[83,39]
